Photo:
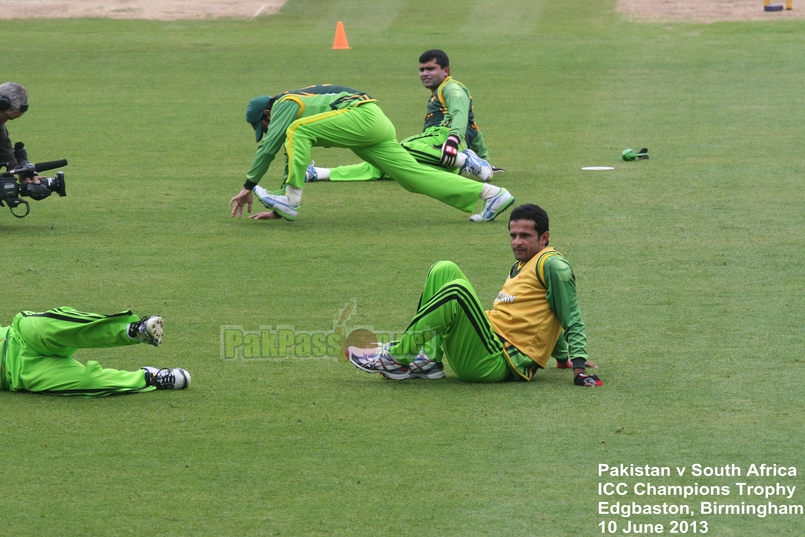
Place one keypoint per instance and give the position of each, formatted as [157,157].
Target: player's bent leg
[426,147]
[439,274]
[437,183]
[455,314]
[60,331]
[348,128]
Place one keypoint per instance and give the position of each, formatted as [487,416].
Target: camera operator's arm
[6,150]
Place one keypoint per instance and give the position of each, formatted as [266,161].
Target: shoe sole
[387,374]
[285,215]
[431,376]
[154,330]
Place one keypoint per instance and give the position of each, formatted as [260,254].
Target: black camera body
[24,181]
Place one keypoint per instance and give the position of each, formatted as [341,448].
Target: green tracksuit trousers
[425,147]
[450,318]
[38,349]
[370,134]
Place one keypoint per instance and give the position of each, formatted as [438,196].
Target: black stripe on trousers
[422,157]
[469,305]
[71,318]
[96,392]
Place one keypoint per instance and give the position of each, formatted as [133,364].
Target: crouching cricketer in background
[337,116]
[535,316]
[37,352]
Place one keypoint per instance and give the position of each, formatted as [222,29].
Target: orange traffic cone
[340,41]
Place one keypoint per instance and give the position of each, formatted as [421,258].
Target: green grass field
[689,268]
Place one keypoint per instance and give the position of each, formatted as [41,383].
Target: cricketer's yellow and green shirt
[537,304]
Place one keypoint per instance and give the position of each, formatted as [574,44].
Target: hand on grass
[265,215]
[244,197]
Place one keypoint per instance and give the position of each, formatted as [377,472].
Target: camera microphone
[44,166]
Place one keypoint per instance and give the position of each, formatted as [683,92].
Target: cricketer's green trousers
[451,318]
[367,131]
[38,349]
[426,148]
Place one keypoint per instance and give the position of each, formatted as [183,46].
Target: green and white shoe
[277,202]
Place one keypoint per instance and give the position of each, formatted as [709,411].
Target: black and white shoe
[167,379]
[148,330]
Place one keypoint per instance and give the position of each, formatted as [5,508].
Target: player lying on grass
[337,116]
[37,352]
[534,317]
[450,139]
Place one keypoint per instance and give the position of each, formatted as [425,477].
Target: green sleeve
[283,113]
[563,301]
[458,106]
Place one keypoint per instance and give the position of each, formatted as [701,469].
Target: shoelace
[139,328]
[383,360]
[164,379]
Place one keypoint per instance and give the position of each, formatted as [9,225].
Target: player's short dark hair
[439,56]
[535,213]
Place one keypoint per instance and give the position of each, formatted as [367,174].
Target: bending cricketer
[37,352]
[337,116]
[535,316]
[450,139]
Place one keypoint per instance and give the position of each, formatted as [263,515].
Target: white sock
[489,192]
[461,158]
[294,194]
[323,173]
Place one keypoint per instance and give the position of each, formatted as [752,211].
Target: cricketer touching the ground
[534,317]
[337,116]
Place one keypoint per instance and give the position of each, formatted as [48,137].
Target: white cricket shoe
[475,166]
[167,379]
[424,368]
[311,176]
[493,207]
[277,202]
[377,360]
